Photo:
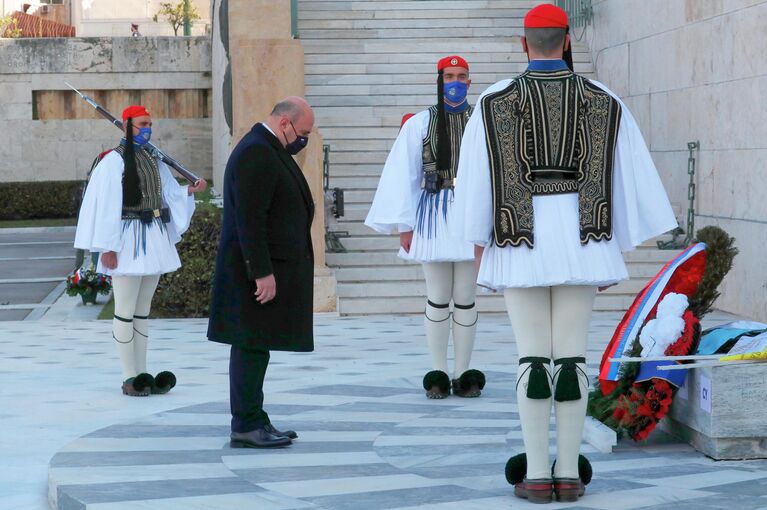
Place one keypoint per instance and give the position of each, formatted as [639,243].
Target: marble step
[408,272]
[456,12]
[485,303]
[478,60]
[411,23]
[352,144]
[408,80]
[381,242]
[352,66]
[371,90]
[418,46]
[404,4]
[359,196]
[354,170]
[389,258]
[418,288]
[411,33]
[353,158]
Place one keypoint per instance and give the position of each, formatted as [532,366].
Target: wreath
[664,320]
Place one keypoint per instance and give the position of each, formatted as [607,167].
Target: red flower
[645,409]
[641,434]
[683,345]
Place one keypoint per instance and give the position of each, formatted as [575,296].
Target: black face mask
[296,145]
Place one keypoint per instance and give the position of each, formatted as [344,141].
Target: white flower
[667,326]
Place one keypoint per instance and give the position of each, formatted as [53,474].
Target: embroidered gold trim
[550,133]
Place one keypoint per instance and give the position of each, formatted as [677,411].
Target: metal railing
[294,18]
[579,12]
[334,207]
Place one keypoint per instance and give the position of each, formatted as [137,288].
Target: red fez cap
[546,16]
[405,119]
[134,111]
[452,61]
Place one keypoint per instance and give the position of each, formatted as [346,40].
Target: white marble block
[721,411]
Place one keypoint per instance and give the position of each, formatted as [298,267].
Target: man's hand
[197,188]
[109,259]
[405,240]
[605,287]
[266,289]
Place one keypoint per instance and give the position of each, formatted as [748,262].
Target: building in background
[108,18]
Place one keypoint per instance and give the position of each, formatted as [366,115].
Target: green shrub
[44,199]
[186,292]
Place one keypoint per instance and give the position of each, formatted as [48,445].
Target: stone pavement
[34,264]
[368,437]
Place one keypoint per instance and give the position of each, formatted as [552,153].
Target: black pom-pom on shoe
[516,469]
[163,383]
[469,384]
[437,384]
[143,382]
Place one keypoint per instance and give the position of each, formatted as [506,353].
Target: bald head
[290,118]
[293,107]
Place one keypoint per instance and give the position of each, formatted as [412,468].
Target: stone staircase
[369,62]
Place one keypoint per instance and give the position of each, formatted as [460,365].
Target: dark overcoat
[268,211]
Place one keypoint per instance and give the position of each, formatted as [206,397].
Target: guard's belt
[148,215]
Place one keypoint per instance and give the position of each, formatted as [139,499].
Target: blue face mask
[143,136]
[456,91]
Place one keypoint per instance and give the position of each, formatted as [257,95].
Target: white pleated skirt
[433,241]
[558,257]
[147,249]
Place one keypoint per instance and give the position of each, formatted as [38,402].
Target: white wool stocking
[571,307]
[141,321]
[128,292]
[439,289]
[464,314]
[530,314]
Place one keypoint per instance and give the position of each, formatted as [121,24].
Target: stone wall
[34,150]
[695,70]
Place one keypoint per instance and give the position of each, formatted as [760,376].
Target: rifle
[153,150]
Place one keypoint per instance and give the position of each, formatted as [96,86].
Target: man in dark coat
[262,290]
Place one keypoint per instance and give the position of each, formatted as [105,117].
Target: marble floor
[369,439]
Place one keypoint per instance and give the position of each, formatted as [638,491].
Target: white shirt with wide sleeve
[401,205]
[641,211]
[141,249]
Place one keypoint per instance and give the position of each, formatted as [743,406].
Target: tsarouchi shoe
[437,384]
[539,490]
[469,384]
[568,489]
[138,386]
[163,383]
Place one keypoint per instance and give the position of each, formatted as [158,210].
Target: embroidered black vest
[456,124]
[149,182]
[550,132]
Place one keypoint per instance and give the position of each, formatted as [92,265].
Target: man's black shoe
[258,438]
[288,433]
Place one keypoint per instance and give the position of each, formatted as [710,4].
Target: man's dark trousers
[247,368]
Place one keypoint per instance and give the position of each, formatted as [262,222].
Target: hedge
[43,199]
[186,292]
